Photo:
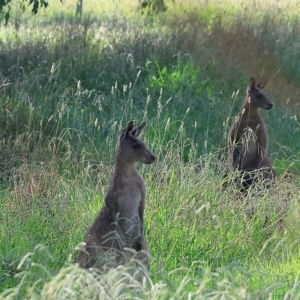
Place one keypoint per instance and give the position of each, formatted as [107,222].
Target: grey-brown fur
[117,233]
[248,137]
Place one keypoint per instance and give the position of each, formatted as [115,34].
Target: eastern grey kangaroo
[119,224]
[248,137]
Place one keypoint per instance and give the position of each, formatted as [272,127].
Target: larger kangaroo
[248,137]
[119,224]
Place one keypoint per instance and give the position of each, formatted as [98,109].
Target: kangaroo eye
[136,146]
[259,96]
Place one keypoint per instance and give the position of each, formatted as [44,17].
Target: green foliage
[5,7]
[68,87]
[153,6]
[174,80]
[3,4]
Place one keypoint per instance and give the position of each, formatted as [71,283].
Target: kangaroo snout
[150,159]
[269,106]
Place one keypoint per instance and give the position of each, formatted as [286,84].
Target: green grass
[67,88]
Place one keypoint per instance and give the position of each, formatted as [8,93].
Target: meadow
[67,88]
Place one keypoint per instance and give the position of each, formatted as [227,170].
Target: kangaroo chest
[129,207]
[252,133]
[132,195]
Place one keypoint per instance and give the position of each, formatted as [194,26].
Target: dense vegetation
[68,86]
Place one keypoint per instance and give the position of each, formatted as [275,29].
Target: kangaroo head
[258,97]
[132,148]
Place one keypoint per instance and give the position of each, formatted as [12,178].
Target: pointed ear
[127,130]
[252,83]
[137,130]
[263,84]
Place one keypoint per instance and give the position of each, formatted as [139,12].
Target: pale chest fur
[129,205]
[252,132]
[132,194]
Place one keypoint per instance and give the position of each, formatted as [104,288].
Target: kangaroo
[248,137]
[117,233]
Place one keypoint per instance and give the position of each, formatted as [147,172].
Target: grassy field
[67,88]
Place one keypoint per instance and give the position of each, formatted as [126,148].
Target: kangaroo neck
[122,166]
[249,109]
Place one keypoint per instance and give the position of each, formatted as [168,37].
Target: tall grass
[67,89]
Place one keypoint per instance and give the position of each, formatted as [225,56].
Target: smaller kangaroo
[119,224]
[248,137]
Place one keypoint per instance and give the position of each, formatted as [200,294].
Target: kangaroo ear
[127,130]
[252,83]
[136,131]
[263,84]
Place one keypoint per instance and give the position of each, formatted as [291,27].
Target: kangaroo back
[117,233]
